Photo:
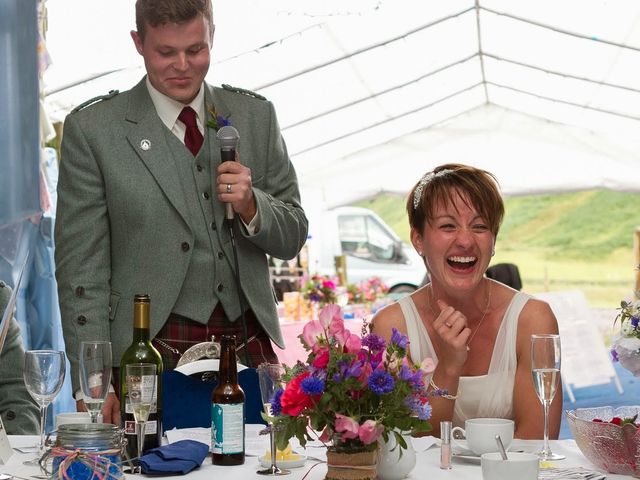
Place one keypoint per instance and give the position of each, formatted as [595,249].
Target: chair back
[186,399]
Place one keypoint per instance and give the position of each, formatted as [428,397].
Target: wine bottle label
[227,428]
[150,427]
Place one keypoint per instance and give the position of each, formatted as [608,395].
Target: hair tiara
[426,178]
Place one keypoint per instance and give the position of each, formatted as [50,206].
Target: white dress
[489,395]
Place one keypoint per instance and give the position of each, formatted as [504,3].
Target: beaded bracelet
[443,393]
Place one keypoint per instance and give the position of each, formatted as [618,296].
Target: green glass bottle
[227,409]
[141,351]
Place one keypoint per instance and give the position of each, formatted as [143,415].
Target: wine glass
[43,376]
[95,375]
[545,368]
[141,389]
[270,378]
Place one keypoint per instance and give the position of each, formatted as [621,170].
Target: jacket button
[213,226]
[199,167]
[205,195]
[185,246]
[220,287]
[220,255]
[82,320]
[79,291]
[11,415]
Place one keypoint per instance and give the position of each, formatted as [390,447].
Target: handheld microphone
[228,137]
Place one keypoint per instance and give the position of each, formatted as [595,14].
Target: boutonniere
[217,121]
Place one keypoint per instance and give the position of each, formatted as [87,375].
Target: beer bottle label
[227,428]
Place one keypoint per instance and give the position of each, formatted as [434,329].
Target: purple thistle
[276,406]
[634,322]
[381,382]
[374,342]
[398,339]
[614,355]
[420,408]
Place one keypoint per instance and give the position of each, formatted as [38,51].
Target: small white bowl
[521,466]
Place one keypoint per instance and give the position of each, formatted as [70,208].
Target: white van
[370,246]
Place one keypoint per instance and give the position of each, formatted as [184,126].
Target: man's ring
[448,324]
[228,188]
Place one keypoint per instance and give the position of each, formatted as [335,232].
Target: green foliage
[563,241]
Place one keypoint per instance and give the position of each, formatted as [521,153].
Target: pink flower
[312,334]
[352,343]
[331,318]
[370,431]
[347,426]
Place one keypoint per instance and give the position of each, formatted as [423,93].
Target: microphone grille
[228,137]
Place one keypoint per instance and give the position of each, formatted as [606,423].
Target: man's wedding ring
[448,324]
[228,188]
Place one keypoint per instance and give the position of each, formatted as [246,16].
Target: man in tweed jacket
[140,213]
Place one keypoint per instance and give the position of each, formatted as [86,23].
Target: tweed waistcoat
[209,277]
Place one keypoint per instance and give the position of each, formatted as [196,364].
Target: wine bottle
[227,409]
[141,351]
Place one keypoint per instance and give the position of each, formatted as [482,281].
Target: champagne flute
[141,389]
[270,378]
[43,376]
[95,375]
[545,368]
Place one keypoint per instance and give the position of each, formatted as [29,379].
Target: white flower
[626,328]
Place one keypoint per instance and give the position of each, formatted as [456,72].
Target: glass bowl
[611,447]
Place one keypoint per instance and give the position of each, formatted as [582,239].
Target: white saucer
[299,462]
[460,448]
[473,458]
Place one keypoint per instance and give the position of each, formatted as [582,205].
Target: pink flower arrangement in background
[319,289]
[352,390]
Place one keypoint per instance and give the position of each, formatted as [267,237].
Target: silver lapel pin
[145,144]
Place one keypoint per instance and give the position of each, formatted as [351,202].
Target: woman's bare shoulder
[388,318]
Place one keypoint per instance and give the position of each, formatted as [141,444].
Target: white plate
[266,462]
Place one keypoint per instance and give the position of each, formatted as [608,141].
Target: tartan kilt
[182,333]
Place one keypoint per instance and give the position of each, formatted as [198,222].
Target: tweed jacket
[122,225]
[20,413]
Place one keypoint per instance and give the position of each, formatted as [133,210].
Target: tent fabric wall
[399,86]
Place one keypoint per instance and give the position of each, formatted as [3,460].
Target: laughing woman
[476,330]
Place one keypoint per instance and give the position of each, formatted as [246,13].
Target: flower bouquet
[351,392]
[318,289]
[626,347]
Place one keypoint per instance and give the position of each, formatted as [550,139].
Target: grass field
[579,240]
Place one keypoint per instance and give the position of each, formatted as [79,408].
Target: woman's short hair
[478,188]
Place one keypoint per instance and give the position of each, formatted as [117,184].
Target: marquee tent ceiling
[371,94]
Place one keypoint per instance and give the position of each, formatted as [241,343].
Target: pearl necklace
[484,314]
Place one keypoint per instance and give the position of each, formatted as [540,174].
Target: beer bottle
[141,351]
[227,409]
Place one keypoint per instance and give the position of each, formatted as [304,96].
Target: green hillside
[572,240]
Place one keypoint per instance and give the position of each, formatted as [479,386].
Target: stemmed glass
[43,376]
[545,368]
[141,387]
[95,375]
[270,378]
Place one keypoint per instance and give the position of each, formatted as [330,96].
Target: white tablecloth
[427,465]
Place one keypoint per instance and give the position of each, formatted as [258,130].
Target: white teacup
[480,434]
[74,417]
[523,466]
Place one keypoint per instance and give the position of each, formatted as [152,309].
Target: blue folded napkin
[176,458]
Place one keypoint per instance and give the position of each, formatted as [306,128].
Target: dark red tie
[192,137]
